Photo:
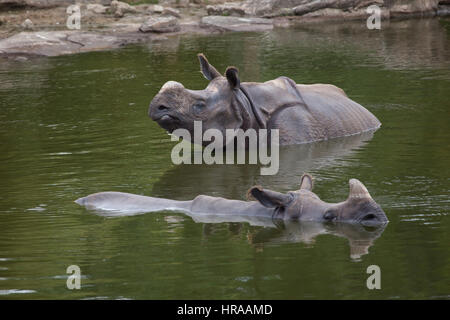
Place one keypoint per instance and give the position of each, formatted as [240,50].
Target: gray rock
[27,24]
[55,43]
[160,25]
[45,4]
[142,8]
[174,3]
[106,3]
[236,23]
[6,4]
[21,58]
[38,4]
[119,8]
[91,41]
[96,8]
[418,7]
[226,9]
[339,8]
[171,12]
[444,9]
[267,7]
[156,8]
[102,2]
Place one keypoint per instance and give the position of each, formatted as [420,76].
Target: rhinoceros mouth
[168,122]
[373,219]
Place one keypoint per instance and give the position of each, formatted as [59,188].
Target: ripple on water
[15,291]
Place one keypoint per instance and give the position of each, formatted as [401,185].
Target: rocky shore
[40,27]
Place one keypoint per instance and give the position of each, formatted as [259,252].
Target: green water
[75,125]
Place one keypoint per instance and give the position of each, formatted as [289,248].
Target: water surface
[75,125]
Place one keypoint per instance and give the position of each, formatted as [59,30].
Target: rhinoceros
[302,113]
[300,205]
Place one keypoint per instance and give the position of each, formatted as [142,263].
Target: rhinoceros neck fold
[293,89]
[260,115]
[261,123]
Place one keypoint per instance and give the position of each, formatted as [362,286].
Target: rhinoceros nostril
[368,217]
[162,108]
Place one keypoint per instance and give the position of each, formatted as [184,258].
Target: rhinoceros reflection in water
[276,232]
[299,205]
[234,180]
[360,237]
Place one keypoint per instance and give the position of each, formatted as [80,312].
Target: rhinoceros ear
[208,71]
[269,198]
[232,75]
[306,182]
[358,190]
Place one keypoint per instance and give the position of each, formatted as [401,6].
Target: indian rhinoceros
[300,205]
[302,113]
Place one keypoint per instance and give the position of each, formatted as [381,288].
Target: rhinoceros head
[177,107]
[304,204]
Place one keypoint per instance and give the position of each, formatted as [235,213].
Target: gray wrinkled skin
[299,205]
[301,113]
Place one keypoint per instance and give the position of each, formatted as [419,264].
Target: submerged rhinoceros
[301,113]
[302,205]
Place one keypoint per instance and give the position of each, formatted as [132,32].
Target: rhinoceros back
[325,113]
[220,206]
[335,113]
[129,203]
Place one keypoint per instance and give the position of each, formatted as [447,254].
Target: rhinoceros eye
[330,215]
[198,107]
